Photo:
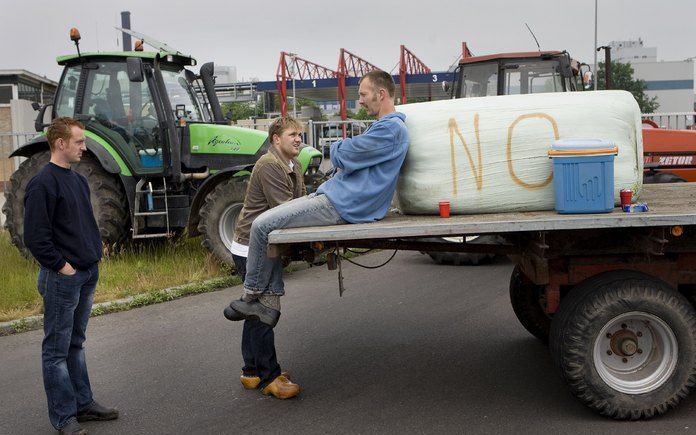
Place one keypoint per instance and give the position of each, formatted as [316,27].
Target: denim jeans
[258,342]
[67,306]
[307,211]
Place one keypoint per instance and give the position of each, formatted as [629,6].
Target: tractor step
[152,236]
[150,213]
[144,193]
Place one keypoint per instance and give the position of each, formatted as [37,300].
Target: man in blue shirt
[61,233]
[367,169]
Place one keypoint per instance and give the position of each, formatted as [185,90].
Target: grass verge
[141,270]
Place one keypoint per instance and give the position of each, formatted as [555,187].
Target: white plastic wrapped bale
[490,154]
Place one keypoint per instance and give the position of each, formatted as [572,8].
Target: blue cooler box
[151,158]
[583,175]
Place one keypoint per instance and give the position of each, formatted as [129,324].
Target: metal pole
[126,24]
[292,71]
[594,49]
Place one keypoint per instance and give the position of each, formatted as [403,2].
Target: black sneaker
[256,310]
[72,428]
[97,412]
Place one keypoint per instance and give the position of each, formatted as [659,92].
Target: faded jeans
[307,211]
[67,306]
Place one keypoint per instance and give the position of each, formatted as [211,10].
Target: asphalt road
[410,348]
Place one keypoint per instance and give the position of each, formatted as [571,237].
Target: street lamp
[595,43]
[293,56]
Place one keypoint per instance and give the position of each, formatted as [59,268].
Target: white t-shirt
[239,249]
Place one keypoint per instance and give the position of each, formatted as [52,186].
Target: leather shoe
[252,382]
[281,388]
[97,412]
[72,428]
[256,311]
[232,315]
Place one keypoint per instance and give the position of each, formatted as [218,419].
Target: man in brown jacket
[276,178]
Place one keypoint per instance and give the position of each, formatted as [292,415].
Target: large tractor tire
[219,217]
[528,302]
[109,202]
[625,343]
[462,258]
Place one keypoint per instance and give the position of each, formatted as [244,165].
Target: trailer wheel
[662,177]
[625,343]
[109,202]
[528,302]
[462,258]
[219,217]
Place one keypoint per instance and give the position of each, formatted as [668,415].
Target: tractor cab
[127,100]
[518,73]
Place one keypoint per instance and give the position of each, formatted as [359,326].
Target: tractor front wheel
[219,217]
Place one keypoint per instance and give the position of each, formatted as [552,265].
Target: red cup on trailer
[626,197]
[444,209]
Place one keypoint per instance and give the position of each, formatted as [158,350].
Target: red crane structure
[300,68]
[409,64]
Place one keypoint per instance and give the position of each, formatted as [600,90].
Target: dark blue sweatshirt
[59,224]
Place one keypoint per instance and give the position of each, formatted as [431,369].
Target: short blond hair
[279,125]
[61,128]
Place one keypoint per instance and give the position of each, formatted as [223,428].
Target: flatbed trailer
[612,293]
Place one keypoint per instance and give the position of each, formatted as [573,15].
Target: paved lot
[411,348]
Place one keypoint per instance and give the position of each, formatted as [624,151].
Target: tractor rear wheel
[219,217]
[109,202]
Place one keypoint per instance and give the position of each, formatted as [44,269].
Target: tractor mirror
[134,65]
[587,77]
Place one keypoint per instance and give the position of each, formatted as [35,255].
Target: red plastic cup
[444,209]
[626,196]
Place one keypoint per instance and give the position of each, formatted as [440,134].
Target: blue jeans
[67,306]
[307,211]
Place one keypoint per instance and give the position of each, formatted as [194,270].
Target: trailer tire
[219,217]
[528,300]
[109,202]
[662,177]
[625,343]
[462,258]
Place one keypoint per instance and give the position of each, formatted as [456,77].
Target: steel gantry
[299,68]
[409,64]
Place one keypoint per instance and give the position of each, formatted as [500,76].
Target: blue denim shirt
[367,169]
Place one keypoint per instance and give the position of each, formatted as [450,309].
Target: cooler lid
[582,147]
[581,144]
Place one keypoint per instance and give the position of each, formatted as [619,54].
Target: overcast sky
[250,35]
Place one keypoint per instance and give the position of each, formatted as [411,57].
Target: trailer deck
[670,204]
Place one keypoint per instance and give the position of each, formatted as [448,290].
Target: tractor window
[479,80]
[65,101]
[532,77]
[181,93]
[124,113]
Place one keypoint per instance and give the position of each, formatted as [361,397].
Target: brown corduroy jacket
[272,183]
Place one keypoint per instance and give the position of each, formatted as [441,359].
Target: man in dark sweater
[61,233]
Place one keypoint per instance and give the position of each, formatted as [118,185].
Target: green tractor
[161,157]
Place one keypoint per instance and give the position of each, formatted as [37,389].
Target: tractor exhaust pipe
[206,73]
